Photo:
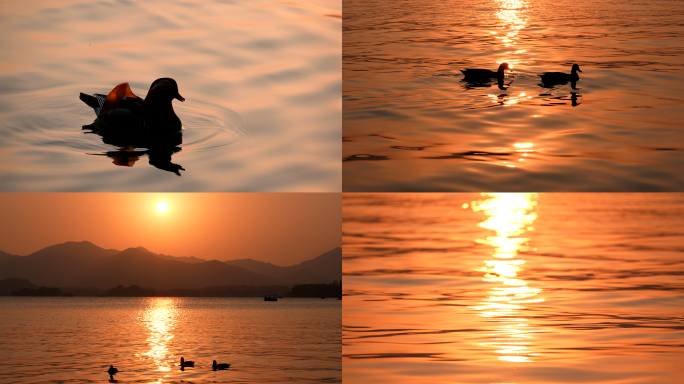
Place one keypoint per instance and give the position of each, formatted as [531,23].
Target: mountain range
[84,264]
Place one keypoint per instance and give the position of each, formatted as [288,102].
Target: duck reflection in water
[574,97]
[472,84]
[159,149]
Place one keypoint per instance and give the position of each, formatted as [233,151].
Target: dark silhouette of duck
[128,122]
[121,111]
[478,78]
[484,75]
[112,371]
[219,366]
[186,363]
[549,79]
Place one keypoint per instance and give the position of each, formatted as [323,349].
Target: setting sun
[162,207]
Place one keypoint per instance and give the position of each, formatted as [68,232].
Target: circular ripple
[57,125]
[213,127]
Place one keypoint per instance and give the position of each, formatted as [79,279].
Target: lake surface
[412,124]
[261,82]
[513,288]
[75,339]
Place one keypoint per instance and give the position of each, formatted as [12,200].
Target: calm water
[513,288]
[412,124]
[74,340]
[261,81]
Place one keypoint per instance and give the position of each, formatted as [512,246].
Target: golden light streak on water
[509,216]
[513,19]
[512,14]
[160,319]
[508,99]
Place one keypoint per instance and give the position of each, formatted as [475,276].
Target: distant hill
[55,265]
[328,264]
[185,259]
[6,256]
[9,285]
[84,264]
[320,270]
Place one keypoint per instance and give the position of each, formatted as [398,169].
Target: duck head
[157,108]
[575,68]
[502,68]
[165,88]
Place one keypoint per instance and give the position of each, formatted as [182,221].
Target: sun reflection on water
[160,318]
[508,99]
[513,16]
[509,216]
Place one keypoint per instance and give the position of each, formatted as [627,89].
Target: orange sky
[281,228]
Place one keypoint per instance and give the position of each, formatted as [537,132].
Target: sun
[162,207]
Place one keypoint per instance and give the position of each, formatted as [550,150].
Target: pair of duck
[112,371]
[548,78]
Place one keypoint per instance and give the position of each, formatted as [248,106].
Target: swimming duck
[122,112]
[553,78]
[483,75]
[187,363]
[220,366]
[112,371]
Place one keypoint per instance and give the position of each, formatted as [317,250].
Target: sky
[280,228]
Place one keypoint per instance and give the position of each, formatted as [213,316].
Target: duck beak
[179,97]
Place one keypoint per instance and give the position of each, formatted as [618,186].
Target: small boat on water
[271,298]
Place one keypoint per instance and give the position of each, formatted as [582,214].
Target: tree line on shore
[333,289]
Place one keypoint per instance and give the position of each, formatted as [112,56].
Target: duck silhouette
[121,111]
[220,366]
[482,75]
[128,122]
[186,363]
[549,79]
[112,371]
[476,78]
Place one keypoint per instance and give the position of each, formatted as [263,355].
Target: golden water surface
[76,339]
[261,82]
[513,288]
[411,122]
